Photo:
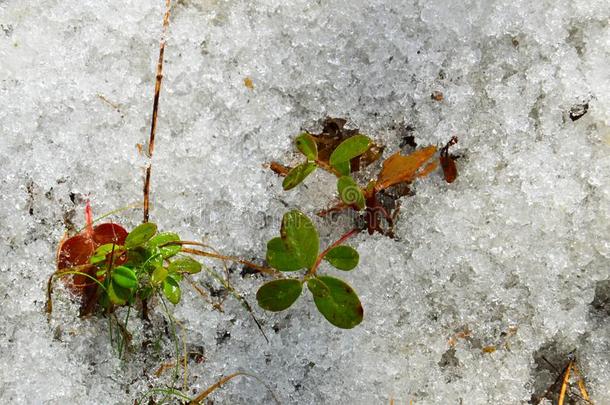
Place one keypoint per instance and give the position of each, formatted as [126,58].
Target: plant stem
[173,326]
[343,238]
[262,269]
[328,168]
[153,125]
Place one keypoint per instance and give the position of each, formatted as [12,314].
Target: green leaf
[279,257]
[297,175]
[140,235]
[158,275]
[150,258]
[343,257]
[307,145]
[185,265]
[349,149]
[279,295]
[163,238]
[300,236]
[125,277]
[344,168]
[349,192]
[318,288]
[101,252]
[171,290]
[118,295]
[341,307]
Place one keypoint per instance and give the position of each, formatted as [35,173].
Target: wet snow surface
[513,255]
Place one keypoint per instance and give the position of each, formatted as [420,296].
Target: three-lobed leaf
[307,145]
[350,193]
[343,257]
[300,237]
[298,174]
[279,295]
[140,235]
[341,307]
[347,150]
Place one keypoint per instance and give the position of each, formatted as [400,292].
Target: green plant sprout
[341,152]
[298,249]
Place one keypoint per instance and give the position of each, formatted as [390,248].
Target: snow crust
[514,254]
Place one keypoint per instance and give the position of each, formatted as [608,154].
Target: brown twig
[153,125]
[197,400]
[262,269]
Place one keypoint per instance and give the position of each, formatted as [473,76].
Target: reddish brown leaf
[77,250]
[398,168]
[448,161]
[109,233]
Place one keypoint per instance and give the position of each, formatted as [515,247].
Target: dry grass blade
[153,125]
[581,384]
[262,269]
[197,400]
[564,384]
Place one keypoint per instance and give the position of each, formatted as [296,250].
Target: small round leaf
[342,306]
[140,235]
[171,290]
[118,295]
[297,175]
[163,238]
[318,288]
[279,295]
[343,257]
[101,252]
[158,275]
[350,193]
[185,265]
[349,149]
[307,145]
[301,237]
[125,277]
[279,257]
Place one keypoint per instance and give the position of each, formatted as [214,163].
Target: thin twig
[153,125]
[262,269]
[197,400]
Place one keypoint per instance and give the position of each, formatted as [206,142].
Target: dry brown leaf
[398,168]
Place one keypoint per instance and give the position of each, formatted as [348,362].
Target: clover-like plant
[341,152]
[344,152]
[297,248]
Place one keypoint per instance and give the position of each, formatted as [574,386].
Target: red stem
[336,243]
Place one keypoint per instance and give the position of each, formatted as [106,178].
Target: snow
[520,242]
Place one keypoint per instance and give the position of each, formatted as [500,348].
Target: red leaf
[109,233]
